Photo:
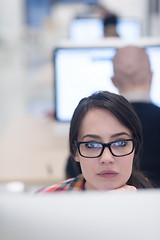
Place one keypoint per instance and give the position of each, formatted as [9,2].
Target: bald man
[133,77]
[132,73]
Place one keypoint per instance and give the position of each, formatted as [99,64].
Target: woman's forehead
[101,121]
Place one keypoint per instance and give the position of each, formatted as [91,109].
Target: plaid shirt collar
[72,184]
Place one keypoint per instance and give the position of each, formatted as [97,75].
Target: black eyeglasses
[92,149]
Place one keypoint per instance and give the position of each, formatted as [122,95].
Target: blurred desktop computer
[82,29]
[80,71]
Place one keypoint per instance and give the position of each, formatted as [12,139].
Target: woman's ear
[76,157]
[114,81]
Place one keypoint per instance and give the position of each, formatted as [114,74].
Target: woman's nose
[106,156]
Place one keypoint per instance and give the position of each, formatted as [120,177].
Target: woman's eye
[93,145]
[120,144]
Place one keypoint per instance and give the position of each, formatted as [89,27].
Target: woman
[105,138]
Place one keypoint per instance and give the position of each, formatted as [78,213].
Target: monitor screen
[82,71]
[86,29]
[129,28]
[154,56]
[91,29]
[78,73]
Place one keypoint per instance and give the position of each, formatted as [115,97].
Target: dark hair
[110,19]
[125,113]
[72,168]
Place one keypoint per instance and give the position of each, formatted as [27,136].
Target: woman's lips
[107,174]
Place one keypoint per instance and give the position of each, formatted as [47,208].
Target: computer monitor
[84,29]
[78,73]
[129,28]
[81,216]
[81,71]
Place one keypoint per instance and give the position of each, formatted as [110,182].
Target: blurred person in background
[110,24]
[110,20]
[133,78]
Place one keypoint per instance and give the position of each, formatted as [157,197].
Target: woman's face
[106,172]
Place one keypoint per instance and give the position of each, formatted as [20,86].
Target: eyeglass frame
[104,145]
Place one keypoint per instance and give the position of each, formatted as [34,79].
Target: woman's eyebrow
[120,134]
[112,136]
[91,136]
